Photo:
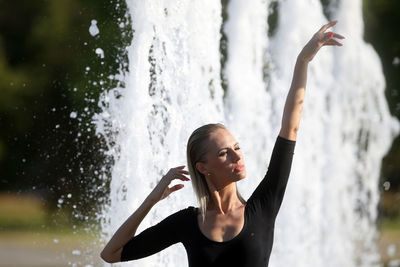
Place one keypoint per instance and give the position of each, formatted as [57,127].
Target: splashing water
[175,85]
[93,30]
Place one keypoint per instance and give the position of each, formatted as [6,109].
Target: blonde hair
[195,152]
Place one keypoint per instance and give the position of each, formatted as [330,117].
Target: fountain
[177,82]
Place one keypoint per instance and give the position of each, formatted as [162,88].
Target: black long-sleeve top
[250,248]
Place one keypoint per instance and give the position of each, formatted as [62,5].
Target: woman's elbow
[289,133]
[109,258]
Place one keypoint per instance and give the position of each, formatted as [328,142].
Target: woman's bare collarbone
[222,227]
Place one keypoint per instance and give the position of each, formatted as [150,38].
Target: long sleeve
[269,193]
[155,238]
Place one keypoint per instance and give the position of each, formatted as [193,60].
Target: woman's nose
[236,156]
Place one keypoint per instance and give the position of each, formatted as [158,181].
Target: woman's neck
[224,200]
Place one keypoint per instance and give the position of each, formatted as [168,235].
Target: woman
[226,230]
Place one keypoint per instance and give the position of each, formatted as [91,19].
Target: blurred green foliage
[49,71]
[381,18]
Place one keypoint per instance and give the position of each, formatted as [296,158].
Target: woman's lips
[239,168]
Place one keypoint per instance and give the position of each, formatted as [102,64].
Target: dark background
[49,70]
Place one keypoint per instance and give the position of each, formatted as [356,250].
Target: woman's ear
[201,168]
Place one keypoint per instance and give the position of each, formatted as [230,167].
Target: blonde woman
[225,230]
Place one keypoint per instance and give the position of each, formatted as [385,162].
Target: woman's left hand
[320,39]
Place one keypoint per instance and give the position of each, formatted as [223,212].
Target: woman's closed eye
[222,153]
[225,152]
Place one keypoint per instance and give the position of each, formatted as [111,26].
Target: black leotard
[250,248]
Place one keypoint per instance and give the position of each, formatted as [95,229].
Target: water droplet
[73,115]
[76,252]
[391,250]
[93,30]
[55,240]
[386,185]
[100,52]
[396,61]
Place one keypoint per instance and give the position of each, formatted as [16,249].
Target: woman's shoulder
[182,218]
[191,211]
[186,212]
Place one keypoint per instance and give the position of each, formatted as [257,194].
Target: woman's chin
[241,175]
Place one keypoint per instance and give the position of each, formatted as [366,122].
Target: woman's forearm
[112,251]
[294,101]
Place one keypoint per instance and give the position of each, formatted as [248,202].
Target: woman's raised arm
[112,251]
[295,98]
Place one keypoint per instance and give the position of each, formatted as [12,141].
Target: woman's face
[224,159]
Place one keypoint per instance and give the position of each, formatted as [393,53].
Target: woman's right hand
[162,190]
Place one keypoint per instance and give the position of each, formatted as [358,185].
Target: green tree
[48,95]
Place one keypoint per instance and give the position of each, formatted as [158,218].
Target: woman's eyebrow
[237,143]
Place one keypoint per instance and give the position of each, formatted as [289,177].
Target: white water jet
[329,211]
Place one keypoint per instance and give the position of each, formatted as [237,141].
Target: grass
[389,241]
[49,249]
[20,212]
[31,236]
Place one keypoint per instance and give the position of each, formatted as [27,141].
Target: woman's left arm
[295,98]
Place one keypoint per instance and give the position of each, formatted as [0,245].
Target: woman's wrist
[301,59]
[150,201]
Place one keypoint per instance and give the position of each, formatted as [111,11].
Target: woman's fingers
[333,42]
[184,172]
[162,190]
[177,173]
[171,189]
[175,188]
[330,35]
[328,39]
[180,169]
[319,39]
[336,35]
[181,177]
[327,26]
